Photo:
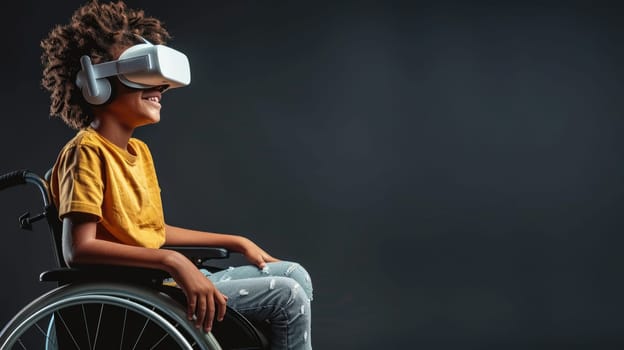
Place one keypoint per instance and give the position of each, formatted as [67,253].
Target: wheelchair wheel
[103,316]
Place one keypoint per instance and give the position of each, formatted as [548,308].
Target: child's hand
[202,296]
[255,254]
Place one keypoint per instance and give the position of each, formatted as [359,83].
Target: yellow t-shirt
[94,176]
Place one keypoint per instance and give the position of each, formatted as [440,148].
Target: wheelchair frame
[84,293]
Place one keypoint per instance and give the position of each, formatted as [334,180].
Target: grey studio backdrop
[450,173]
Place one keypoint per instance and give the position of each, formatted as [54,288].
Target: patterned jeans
[280,293]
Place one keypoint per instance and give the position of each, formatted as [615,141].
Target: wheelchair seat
[120,305]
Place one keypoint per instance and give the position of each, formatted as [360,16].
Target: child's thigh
[278,269]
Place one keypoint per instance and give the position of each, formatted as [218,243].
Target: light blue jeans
[280,293]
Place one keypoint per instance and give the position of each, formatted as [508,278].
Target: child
[106,189]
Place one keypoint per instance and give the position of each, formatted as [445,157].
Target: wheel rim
[21,337]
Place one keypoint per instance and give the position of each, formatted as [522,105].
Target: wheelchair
[116,307]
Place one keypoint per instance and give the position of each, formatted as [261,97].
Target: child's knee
[294,271]
[287,291]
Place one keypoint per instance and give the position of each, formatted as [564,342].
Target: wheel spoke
[84,317]
[160,341]
[123,328]
[71,335]
[22,344]
[45,335]
[97,330]
[141,334]
[41,330]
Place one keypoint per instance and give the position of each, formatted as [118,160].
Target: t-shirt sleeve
[80,181]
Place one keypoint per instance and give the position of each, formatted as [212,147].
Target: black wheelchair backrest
[50,212]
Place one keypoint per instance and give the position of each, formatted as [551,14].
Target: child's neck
[114,132]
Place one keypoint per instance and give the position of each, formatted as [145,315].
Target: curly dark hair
[96,30]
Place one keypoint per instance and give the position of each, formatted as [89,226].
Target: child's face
[134,107]
[131,107]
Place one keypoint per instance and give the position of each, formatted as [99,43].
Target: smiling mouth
[153,99]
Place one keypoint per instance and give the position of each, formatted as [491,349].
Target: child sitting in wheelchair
[106,72]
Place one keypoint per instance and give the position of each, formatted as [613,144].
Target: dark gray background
[449,172]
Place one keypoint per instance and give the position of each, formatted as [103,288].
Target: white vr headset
[141,66]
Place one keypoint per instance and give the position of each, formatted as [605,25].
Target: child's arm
[253,253]
[82,246]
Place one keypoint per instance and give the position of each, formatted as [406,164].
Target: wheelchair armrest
[199,254]
[104,273]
